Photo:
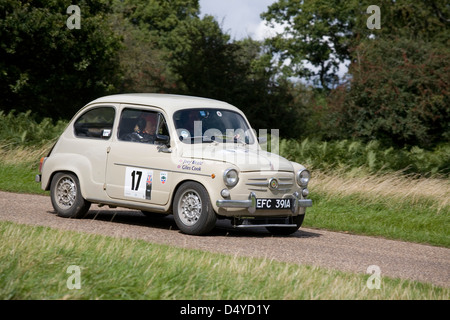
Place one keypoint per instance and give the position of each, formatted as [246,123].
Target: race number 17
[138,183]
[135,187]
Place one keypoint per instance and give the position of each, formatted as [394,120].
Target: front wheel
[192,209]
[66,196]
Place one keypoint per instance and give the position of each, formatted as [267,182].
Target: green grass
[34,262]
[19,178]
[388,205]
[421,223]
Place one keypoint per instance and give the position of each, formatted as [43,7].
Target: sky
[239,18]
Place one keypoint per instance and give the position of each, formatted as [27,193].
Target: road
[332,250]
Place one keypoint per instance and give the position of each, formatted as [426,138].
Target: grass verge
[18,168]
[34,263]
[389,205]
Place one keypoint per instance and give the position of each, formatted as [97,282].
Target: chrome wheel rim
[66,193]
[190,207]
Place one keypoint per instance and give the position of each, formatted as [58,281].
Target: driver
[140,133]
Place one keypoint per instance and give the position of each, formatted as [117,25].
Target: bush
[19,130]
[22,130]
[370,156]
[398,93]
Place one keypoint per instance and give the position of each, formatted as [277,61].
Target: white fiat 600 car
[195,158]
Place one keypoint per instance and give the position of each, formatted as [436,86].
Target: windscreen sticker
[184,134]
[138,183]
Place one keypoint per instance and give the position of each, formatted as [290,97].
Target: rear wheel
[192,209]
[66,196]
[284,231]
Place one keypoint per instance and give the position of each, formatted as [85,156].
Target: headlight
[230,177]
[303,177]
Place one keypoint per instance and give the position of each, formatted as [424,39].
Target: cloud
[239,18]
[263,31]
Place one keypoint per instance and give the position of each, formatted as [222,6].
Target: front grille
[261,182]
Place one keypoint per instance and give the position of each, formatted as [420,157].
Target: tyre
[66,196]
[192,209]
[284,231]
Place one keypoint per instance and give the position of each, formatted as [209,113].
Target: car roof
[170,102]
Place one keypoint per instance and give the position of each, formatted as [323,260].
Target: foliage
[200,53]
[158,16]
[142,63]
[239,72]
[323,32]
[269,101]
[314,31]
[397,85]
[23,130]
[147,28]
[371,156]
[398,94]
[169,48]
[166,46]
[48,68]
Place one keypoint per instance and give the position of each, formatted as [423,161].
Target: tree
[150,32]
[239,72]
[142,62]
[399,93]
[159,17]
[48,68]
[204,59]
[267,99]
[318,34]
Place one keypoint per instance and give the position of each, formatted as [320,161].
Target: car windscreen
[212,125]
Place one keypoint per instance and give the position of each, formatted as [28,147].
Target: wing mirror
[164,140]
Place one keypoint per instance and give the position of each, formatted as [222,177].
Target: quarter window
[96,123]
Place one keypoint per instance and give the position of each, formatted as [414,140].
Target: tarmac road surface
[332,250]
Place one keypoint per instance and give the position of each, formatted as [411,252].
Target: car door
[138,167]
[88,144]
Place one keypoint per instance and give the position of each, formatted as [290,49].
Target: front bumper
[250,204]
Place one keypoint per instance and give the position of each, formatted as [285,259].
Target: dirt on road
[332,250]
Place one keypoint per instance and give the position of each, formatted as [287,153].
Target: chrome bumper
[250,204]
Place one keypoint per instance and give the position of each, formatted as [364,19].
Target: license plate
[274,204]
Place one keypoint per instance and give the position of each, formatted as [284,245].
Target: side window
[96,123]
[141,125]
